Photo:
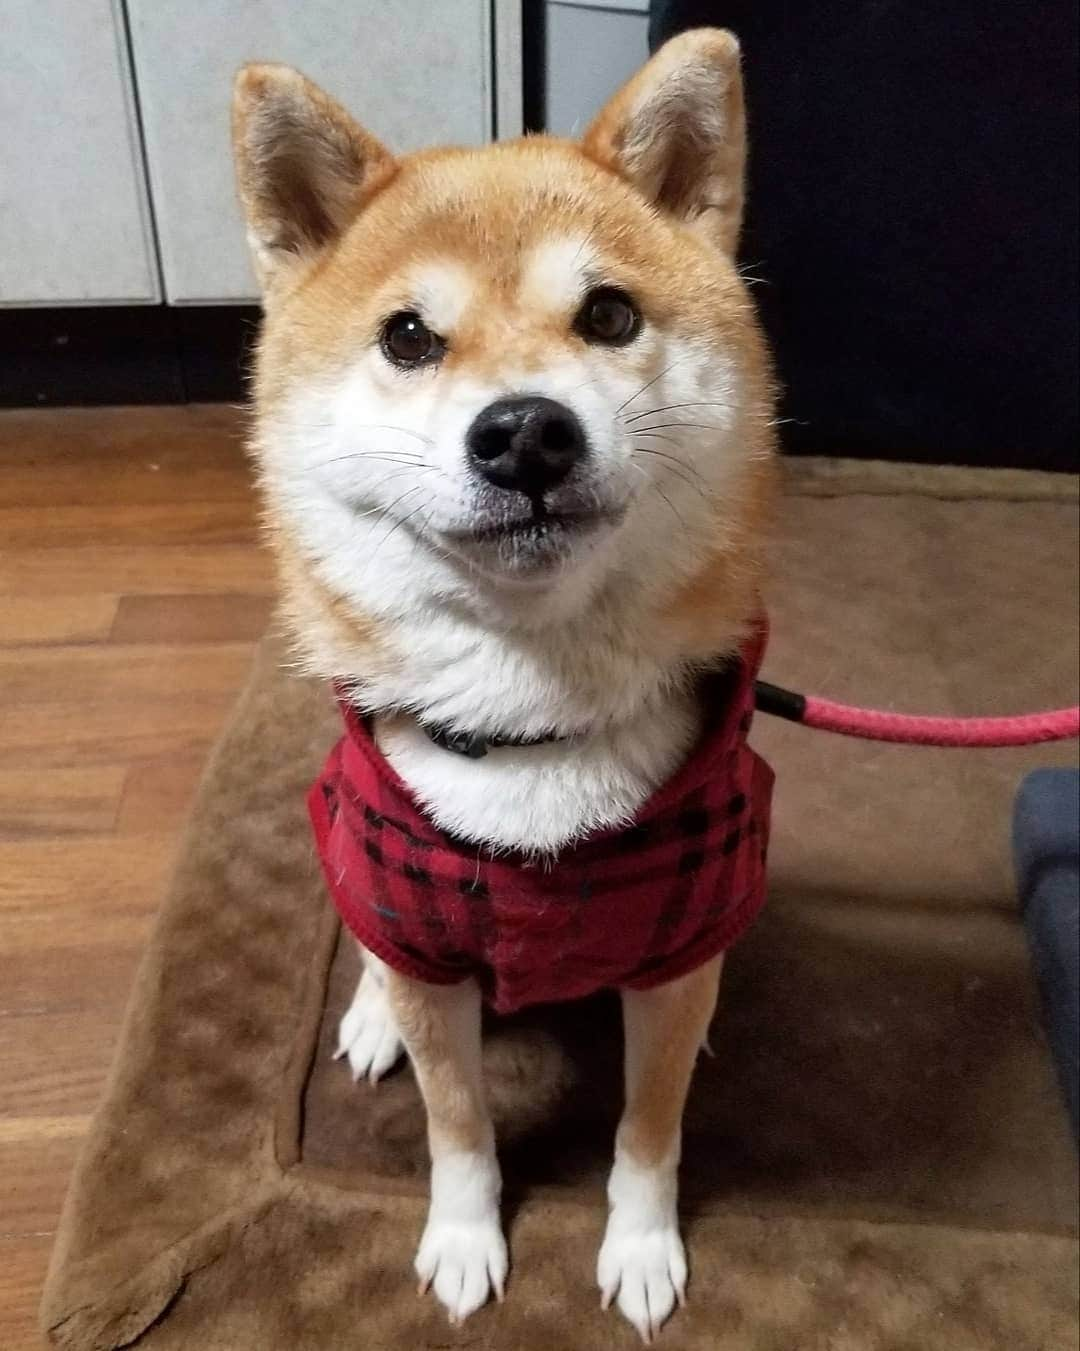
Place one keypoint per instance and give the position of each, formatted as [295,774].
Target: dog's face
[514,373]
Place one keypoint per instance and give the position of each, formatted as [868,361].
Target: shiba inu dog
[514,435]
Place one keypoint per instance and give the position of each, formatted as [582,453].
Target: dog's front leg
[642,1260]
[462,1253]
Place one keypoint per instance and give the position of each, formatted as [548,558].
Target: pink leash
[1025,729]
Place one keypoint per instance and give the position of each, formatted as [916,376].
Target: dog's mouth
[540,525]
[527,543]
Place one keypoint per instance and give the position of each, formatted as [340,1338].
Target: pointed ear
[677,132]
[303,166]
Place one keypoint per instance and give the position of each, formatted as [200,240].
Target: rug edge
[825,476]
[65,1318]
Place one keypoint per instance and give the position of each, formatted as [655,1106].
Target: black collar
[475,745]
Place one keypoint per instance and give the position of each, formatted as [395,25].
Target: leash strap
[1025,729]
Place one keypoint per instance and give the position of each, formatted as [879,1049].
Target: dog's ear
[303,166]
[677,131]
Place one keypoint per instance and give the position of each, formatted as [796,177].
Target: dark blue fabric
[912,208]
[1046,841]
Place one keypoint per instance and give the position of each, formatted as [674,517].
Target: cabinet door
[74,223]
[591,47]
[414,73]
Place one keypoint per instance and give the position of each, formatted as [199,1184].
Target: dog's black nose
[526,444]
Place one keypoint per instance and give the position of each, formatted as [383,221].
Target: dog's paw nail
[367,1033]
[467,1262]
[644,1271]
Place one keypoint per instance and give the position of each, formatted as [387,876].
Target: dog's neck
[625,727]
[582,656]
[577,680]
[540,798]
[592,668]
[625,722]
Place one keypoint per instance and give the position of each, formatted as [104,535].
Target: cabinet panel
[590,50]
[74,223]
[413,73]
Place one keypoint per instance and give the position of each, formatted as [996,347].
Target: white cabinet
[107,107]
[74,222]
[590,48]
[413,71]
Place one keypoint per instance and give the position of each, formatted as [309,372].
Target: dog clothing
[627,907]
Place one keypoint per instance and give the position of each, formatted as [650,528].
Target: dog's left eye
[608,316]
[407,341]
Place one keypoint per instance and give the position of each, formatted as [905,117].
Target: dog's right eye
[407,341]
[609,317]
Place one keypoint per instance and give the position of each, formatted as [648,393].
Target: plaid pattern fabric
[630,907]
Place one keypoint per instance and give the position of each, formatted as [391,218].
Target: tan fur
[429,1018]
[665,1029]
[726,588]
[310,606]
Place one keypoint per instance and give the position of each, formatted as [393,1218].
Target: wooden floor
[132,590]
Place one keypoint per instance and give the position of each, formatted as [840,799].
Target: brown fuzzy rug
[877,1157]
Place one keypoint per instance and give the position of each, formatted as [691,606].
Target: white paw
[463,1253]
[368,1033]
[645,1268]
[463,1261]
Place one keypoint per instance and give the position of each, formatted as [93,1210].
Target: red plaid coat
[626,907]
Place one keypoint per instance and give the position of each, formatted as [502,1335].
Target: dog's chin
[531,551]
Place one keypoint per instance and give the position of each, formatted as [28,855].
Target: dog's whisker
[391,457]
[666,371]
[397,526]
[383,512]
[398,500]
[681,465]
[420,535]
[391,427]
[669,407]
[674,467]
[365,427]
[644,431]
[677,514]
[587,240]
[750,277]
[672,459]
[692,426]
[368,489]
[393,477]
